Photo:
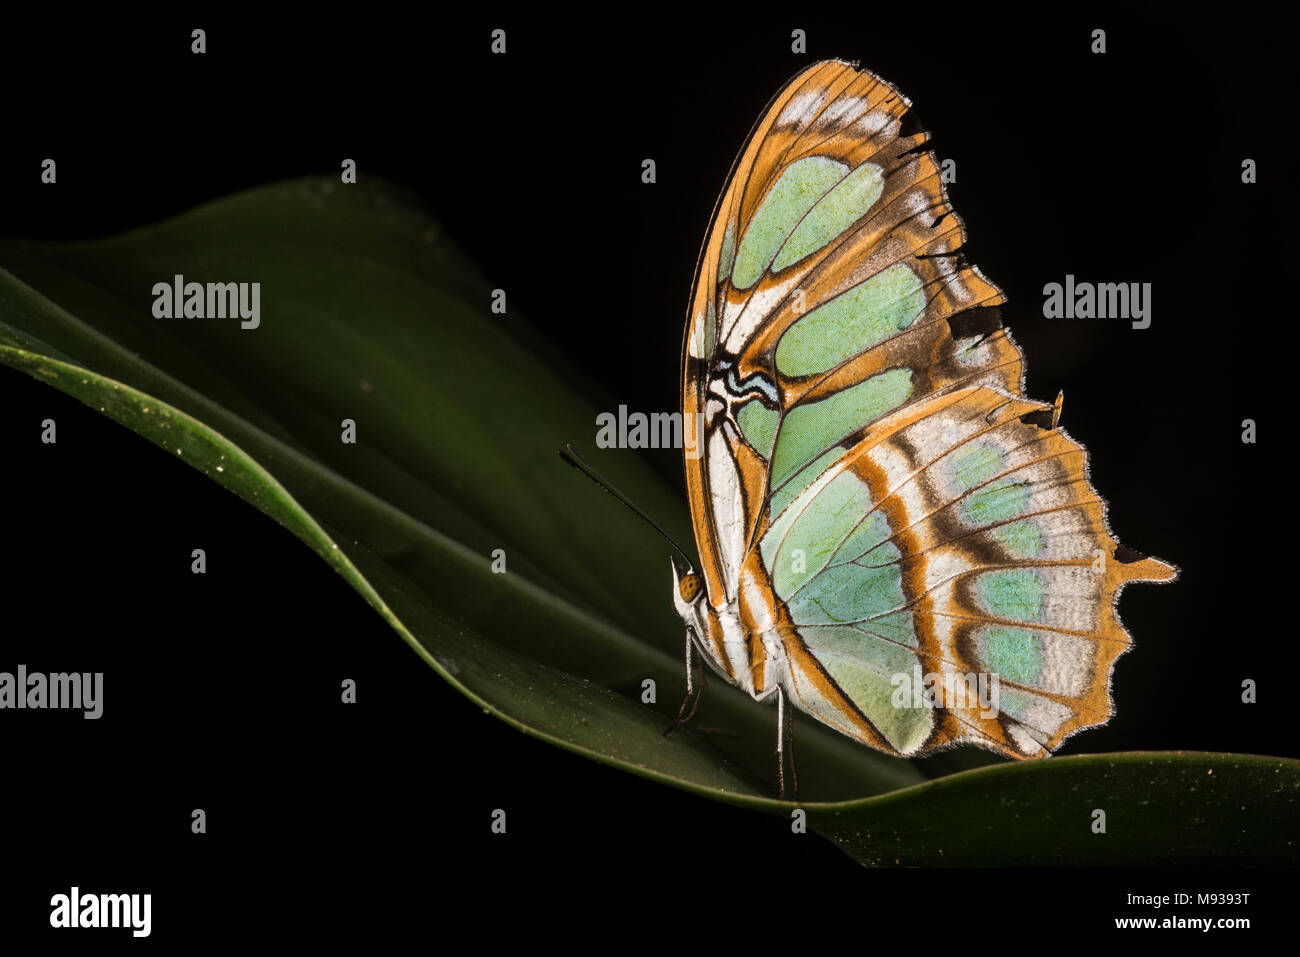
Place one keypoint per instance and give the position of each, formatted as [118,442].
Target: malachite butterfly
[879,511]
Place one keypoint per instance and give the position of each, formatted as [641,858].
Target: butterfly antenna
[574,458]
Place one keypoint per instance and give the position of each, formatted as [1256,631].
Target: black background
[222,691]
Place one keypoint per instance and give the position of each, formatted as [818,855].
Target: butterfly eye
[690,588]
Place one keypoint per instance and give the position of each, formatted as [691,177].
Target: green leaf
[369,313]
[1161,809]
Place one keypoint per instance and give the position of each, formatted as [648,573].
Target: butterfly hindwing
[872,486]
[959,537]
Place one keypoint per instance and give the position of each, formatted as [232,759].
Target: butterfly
[888,528]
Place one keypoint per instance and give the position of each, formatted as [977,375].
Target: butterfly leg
[694,690]
[785,746]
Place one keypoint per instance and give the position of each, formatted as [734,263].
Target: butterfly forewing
[873,489]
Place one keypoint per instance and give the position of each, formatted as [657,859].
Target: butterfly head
[705,630]
[688,590]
